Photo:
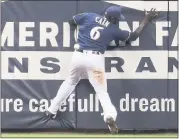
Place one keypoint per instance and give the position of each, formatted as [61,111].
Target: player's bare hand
[150,15]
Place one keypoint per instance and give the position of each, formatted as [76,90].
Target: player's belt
[93,52]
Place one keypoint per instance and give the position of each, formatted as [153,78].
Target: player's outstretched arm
[149,16]
[127,36]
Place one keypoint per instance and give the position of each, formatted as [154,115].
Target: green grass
[84,135]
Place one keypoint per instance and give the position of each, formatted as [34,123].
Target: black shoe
[112,125]
[49,115]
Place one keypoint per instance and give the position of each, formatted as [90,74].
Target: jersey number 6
[95,34]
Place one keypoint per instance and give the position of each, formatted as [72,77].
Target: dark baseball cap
[115,11]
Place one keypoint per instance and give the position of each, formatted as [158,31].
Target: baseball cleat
[49,115]
[112,125]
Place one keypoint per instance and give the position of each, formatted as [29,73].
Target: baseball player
[95,32]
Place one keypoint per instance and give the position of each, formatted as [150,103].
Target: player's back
[95,32]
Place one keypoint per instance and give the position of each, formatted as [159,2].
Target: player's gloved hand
[150,15]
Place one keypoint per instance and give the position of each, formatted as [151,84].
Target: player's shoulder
[88,14]
[92,14]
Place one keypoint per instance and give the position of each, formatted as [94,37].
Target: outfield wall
[37,44]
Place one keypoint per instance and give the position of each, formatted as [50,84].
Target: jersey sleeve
[122,35]
[79,18]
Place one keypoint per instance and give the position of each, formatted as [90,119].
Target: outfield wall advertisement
[37,44]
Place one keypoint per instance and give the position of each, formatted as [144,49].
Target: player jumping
[95,32]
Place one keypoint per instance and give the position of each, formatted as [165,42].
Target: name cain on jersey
[102,21]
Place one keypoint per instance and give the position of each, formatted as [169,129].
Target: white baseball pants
[93,66]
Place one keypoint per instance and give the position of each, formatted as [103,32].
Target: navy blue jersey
[94,32]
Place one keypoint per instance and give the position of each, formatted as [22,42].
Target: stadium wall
[37,44]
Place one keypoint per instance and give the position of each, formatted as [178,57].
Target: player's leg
[98,81]
[96,76]
[64,91]
[68,85]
